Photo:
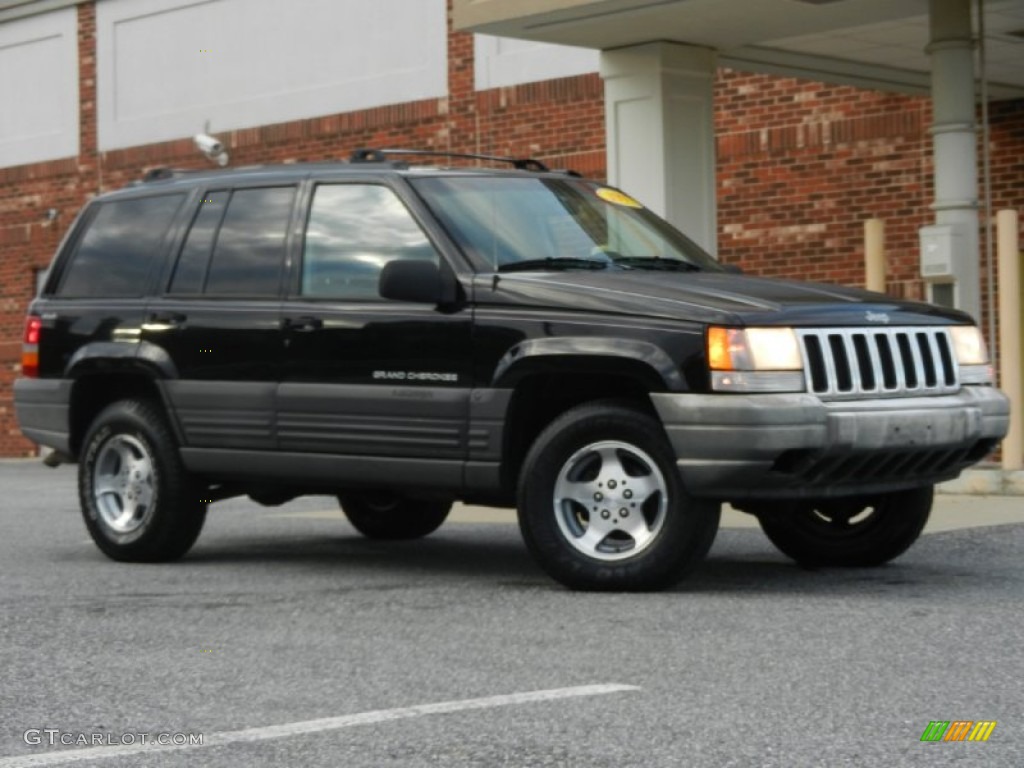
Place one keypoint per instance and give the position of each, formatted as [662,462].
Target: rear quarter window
[114,256]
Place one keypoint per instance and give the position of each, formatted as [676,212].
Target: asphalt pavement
[285,639]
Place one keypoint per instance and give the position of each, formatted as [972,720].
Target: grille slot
[884,362]
[946,356]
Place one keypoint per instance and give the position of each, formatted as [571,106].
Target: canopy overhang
[870,43]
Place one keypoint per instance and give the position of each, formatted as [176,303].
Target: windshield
[535,223]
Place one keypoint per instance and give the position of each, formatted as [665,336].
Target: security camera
[212,147]
[208,145]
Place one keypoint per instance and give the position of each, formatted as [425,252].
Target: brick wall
[558,121]
[800,165]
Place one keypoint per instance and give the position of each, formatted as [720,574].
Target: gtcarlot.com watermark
[53,737]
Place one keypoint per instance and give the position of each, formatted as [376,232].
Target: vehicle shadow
[439,553]
[741,563]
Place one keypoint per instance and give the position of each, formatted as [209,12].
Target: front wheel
[387,516]
[859,531]
[602,506]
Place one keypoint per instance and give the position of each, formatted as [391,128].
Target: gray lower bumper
[796,445]
[41,406]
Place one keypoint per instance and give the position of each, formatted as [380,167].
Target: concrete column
[874,255]
[659,123]
[1011,349]
[955,143]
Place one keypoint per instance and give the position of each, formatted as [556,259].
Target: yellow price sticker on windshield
[610,195]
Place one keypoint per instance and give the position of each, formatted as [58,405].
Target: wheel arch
[115,356]
[637,359]
[547,388]
[94,390]
[105,372]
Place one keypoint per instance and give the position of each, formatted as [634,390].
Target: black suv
[404,337]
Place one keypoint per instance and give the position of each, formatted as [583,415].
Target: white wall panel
[166,66]
[39,88]
[501,61]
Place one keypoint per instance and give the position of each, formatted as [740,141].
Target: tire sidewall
[118,420]
[681,542]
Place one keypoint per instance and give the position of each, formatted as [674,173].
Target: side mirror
[413,280]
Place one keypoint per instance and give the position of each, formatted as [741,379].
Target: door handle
[164,321]
[303,324]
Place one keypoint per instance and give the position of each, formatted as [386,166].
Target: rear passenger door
[218,319]
[365,376]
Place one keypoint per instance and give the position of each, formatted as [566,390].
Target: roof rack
[364,155]
[162,172]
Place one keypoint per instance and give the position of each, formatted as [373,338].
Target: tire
[652,534]
[855,532]
[389,517]
[138,502]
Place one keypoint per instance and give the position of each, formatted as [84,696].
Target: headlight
[969,345]
[755,360]
[753,349]
[971,354]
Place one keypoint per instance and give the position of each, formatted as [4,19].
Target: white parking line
[285,730]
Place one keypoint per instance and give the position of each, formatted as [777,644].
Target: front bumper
[799,446]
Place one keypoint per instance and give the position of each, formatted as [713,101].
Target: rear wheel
[602,506]
[388,516]
[859,531]
[138,502]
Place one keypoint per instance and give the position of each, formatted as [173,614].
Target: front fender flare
[638,358]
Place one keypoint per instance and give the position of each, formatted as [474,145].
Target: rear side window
[190,271]
[116,252]
[249,251]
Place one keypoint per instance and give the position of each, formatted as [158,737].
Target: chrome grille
[884,362]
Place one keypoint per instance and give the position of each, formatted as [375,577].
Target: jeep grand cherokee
[404,337]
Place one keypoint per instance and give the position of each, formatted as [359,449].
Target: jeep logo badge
[877,317]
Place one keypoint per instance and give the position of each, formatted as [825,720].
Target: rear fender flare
[139,359]
[114,356]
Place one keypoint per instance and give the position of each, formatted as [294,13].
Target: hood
[708,297]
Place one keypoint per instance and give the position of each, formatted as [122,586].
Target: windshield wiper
[656,262]
[566,262]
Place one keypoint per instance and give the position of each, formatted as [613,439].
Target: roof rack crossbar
[380,156]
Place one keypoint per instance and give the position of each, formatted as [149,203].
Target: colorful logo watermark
[958,730]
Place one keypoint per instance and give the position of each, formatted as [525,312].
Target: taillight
[30,347]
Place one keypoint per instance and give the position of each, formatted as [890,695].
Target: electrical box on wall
[938,244]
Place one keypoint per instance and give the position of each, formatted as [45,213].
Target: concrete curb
[986,481]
